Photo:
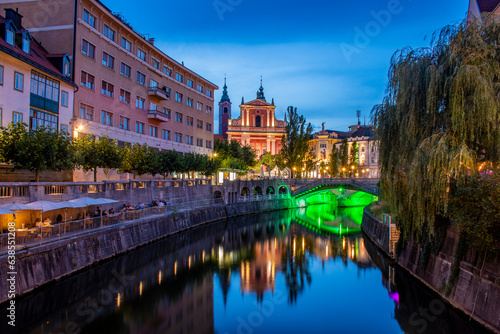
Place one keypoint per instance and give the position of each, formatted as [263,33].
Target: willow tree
[440,121]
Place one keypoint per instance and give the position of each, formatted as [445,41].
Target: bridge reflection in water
[328,218]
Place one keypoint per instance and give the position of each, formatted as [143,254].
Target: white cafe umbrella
[68,204]
[43,206]
[6,212]
[87,201]
[106,200]
[15,207]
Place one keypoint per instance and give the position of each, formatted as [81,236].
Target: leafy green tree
[210,166]
[227,151]
[167,162]
[334,162]
[139,160]
[36,151]
[353,159]
[344,156]
[295,141]
[439,122]
[95,153]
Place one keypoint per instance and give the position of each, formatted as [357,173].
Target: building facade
[322,143]
[257,126]
[128,89]
[35,86]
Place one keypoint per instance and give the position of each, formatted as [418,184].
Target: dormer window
[26,43]
[66,67]
[9,34]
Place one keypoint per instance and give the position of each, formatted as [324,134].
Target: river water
[297,271]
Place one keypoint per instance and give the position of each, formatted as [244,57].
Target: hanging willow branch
[439,120]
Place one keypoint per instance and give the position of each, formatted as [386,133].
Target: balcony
[157,116]
[44,103]
[158,92]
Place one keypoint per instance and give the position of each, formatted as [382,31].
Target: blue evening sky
[327,58]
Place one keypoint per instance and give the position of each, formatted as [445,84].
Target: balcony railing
[157,115]
[158,92]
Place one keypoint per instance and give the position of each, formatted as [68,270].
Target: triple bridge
[348,191]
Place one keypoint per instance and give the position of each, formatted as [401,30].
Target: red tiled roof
[488,5]
[37,56]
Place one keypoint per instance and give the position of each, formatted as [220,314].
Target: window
[124,123]
[179,77]
[108,60]
[26,43]
[141,54]
[209,110]
[153,106]
[18,81]
[178,117]
[178,137]
[107,89]
[156,64]
[64,98]
[209,93]
[208,127]
[199,124]
[165,134]
[167,70]
[86,112]
[9,34]
[108,32]
[41,118]
[178,97]
[199,142]
[139,127]
[189,83]
[106,118]
[167,112]
[189,102]
[1,75]
[208,144]
[322,146]
[88,49]
[17,117]
[153,83]
[199,106]
[139,102]
[64,128]
[126,44]
[199,88]
[189,140]
[87,80]
[124,96]
[89,18]
[66,66]
[44,86]
[141,78]
[153,131]
[125,70]
[189,121]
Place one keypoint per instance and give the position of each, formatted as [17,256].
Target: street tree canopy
[36,151]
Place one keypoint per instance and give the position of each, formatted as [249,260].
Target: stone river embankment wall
[479,298]
[43,264]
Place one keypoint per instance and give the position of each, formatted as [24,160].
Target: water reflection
[329,218]
[225,277]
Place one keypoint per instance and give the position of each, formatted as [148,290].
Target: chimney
[10,14]
[151,41]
